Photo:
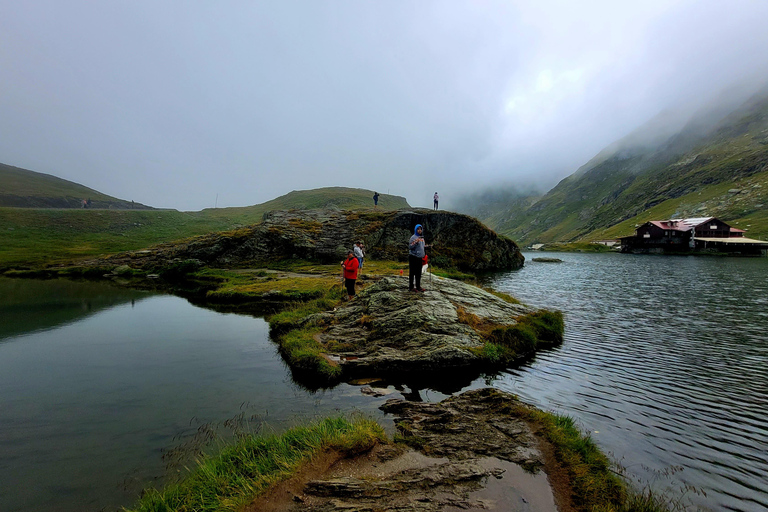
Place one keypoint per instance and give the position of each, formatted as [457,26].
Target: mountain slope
[320,198]
[47,235]
[21,188]
[717,150]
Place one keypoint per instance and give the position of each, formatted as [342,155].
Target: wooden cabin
[699,234]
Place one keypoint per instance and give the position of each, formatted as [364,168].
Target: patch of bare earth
[469,454]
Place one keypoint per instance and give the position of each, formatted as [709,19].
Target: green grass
[296,337]
[506,343]
[38,188]
[236,476]
[597,487]
[34,237]
[328,197]
[576,247]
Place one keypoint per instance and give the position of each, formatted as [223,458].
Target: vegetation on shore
[246,468]
[293,294]
[590,247]
[243,470]
[596,484]
[35,237]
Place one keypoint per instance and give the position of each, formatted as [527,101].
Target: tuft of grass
[303,352]
[242,471]
[596,485]
[506,343]
[287,289]
[451,273]
[295,335]
[503,296]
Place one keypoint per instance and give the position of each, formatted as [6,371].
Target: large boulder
[388,331]
[325,236]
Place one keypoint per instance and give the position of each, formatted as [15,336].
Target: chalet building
[700,234]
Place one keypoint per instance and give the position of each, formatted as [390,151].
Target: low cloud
[173,104]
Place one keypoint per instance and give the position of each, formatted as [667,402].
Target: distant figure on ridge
[375,199]
[350,266]
[436,198]
[416,259]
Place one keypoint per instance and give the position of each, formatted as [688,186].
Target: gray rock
[391,329]
[474,446]
[459,241]
[547,260]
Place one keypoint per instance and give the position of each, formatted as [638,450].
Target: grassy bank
[596,485]
[36,237]
[234,477]
[247,468]
[576,247]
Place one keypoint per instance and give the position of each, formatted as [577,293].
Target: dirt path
[465,454]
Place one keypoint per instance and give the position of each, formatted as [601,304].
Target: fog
[188,105]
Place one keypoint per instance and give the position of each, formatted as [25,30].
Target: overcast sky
[173,104]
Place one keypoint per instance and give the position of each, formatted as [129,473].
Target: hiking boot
[420,289]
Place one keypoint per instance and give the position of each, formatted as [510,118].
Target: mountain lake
[106,390]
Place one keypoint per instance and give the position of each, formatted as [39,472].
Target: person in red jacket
[350,266]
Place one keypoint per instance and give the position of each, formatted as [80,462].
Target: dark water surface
[665,360]
[96,383]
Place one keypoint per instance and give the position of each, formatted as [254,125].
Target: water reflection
[664,360]
[88,408]
[28,305]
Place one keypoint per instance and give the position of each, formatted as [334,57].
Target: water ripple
[665,357]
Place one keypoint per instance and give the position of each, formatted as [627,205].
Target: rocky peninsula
[387,331]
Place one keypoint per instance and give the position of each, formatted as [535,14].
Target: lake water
[664,361]
[98,383]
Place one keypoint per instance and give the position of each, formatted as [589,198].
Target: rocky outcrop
[458,241]
[387,330]
[481,455]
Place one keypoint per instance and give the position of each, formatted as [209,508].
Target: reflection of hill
[28,305]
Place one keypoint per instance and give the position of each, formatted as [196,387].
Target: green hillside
[715,165]
[329,197]
[38,236]
[21,188]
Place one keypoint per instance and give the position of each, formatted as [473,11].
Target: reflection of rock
[481,456]
[325,235]
[375,392]
[388,330]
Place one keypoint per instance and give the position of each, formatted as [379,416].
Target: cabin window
[713,226]
[647,235]
[666,233]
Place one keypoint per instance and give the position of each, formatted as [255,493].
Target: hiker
[359,251]
[436,198]
[350,266]
[416,259]
[375,199]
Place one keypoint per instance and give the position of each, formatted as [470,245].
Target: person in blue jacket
[415,258]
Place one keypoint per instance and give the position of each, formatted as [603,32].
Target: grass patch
[503,296]
[295,336]
[288,289]
[506,343]
[303,352]
[596,485]
[452,274]
[237,475]
[576,247]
